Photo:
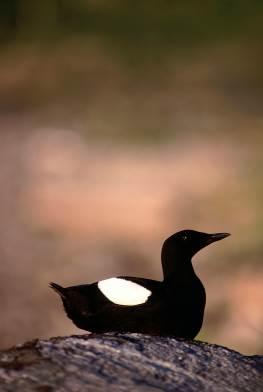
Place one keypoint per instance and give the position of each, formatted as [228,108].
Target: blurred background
[121,123]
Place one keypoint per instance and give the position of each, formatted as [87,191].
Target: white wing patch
[124,292]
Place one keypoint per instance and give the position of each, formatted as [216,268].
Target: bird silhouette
[171,307]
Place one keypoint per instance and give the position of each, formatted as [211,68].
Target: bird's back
[90,309]
[168,311]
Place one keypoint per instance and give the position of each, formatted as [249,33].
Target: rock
[127,362]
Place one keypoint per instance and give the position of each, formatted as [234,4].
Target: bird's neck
[177,268]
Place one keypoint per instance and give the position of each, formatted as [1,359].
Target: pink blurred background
[106,151]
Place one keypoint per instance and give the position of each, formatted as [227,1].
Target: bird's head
[184,244]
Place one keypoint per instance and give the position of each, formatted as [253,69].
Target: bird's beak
[217,237]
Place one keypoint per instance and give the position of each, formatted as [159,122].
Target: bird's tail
[58,289]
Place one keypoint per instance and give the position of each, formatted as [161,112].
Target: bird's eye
[184,237]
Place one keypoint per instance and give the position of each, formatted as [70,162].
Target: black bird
[172,307]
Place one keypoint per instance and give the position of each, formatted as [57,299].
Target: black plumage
[172,307]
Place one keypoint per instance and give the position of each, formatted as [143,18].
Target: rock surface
[127,362]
